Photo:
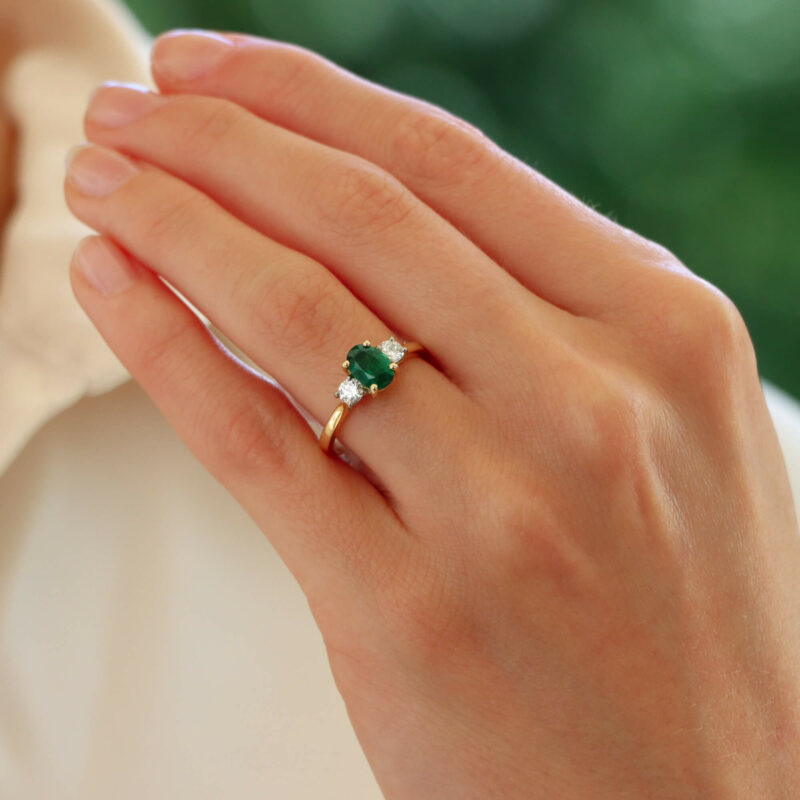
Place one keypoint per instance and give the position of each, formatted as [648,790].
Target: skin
[574,574]
[6,166]
[7,136]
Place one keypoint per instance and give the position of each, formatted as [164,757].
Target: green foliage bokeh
[679,118]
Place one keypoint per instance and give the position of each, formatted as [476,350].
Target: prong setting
[369,370]
[393,350]
[350,391]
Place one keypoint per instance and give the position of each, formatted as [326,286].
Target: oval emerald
[369,366]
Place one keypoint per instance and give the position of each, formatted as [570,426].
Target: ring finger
[282,308]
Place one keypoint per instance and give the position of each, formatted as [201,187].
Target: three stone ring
[370,370]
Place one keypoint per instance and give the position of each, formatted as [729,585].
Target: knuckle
[432,145]
[356,198]
[724,323]
[702,334]
[240,439]
[175,217]
[297,306]
[210,122]
[289,68]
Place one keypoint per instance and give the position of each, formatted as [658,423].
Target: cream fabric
[49,355]
[152,645]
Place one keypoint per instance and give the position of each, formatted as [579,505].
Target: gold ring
[370,370]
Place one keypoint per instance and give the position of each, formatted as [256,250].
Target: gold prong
[345,365]
[373,389]
[366,343]
[393,365]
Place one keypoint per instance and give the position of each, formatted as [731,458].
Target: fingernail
[188,55]
[115,104]
[104,266]
[96,171]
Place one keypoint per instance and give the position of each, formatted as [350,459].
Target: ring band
[370,370]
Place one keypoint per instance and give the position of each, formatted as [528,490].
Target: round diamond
[393,349]
[350,391]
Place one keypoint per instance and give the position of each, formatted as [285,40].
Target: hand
[580,578]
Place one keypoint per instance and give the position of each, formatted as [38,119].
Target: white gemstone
[393,349]
[350,391]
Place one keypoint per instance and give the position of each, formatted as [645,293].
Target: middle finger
[392,250]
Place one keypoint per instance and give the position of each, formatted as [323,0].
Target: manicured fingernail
[115,104]
[188,55]
[104,266]
[96,171]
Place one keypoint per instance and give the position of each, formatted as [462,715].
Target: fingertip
[185,55]
[114,104]
[72,154]
[96,171]
[103,266]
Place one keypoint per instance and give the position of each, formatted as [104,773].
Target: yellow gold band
[328,434]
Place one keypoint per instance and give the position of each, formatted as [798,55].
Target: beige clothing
[152,644]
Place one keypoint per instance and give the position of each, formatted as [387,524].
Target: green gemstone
[369,366]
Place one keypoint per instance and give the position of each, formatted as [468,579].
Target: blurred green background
[678,118]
